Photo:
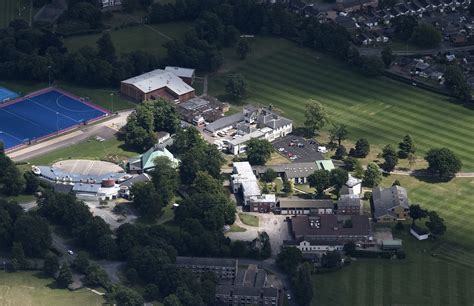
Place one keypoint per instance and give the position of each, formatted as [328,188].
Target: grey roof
[89,188]
[205,261]
[157,79]
[292,170]
[57,174]
[247,291]
[272,120]
[194,103]
[224,122]
[386,198]
[294,202]
[349,200]
[353,181]
[327,226]
[136,179]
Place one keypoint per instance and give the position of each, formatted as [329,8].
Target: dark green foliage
[371,66]
[34,234]
[165,179]
[18,257]
[426,36]
[443,162]
[10,212]
[351,163]
[331,260]
[349,248]
[338,177]
[288,260]
[11,180]
[401,254]
[341,152]
[96,276]
[362,148]
[31,182]
[65,276]
[391,158]
[387,56]
[372,175]
[259,151]
[396,183]
[303,285]
[152,292]
[81,262]
[316,116]
[106,48]
[236,87]
[404,27]
[147,200]
[416,212]
[456,82]
[243,48]
[407,147]
[269,175]
[200,157]
[171,300]
[320,180]
[399,226]
[51,265]
[125,296]
[435,224]
[338,133]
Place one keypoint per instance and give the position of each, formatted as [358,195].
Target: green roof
[325,164]
[149,157]
[389,242]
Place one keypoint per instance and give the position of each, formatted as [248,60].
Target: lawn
[236,229]
[27,288]
[108,150]
[149,38]
[12,9]
[380,109]
[248,219]
[98,96]
[420,279]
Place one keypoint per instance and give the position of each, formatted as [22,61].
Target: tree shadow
[432,179]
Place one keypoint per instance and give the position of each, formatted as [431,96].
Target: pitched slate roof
[387,198]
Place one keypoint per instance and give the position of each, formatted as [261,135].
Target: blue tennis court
[6,94]
[42,114]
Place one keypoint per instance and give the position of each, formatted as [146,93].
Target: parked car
[300,145]
[281,149]
[291,144]
[70,252]
[293,157]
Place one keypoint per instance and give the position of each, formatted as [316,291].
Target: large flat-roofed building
[243,179]
[155,84]
[298,206]
[223,268]
[186,74]
[294,172]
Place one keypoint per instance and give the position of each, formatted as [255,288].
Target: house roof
[89,188]
[327,226]
[349,200]
[181,72]
[157,79]
[387,198]
[142,178]
[353,181]
[295,202]
[293,170]
[148,158]
[224,122]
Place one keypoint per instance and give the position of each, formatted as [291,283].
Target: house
[155,84]
[314,234]
[146,161]
[262,203]
[390,204]
[186,74]
[223,268]
[353,186]
[349,204]
[355,5]
[299,206]
[244,180]
[419,233]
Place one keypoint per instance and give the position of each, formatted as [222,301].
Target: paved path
[422,173]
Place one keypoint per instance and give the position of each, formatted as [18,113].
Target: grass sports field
[11,9]
[27,289]
[148,38]
[379,109]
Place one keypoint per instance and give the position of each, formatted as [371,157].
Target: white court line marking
[52,110]
[22,118]
[8,134]
[70,109]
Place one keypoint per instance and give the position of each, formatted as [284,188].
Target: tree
[350,163]
[259,151]
[96,276]
[320,181]
[81,262]
[124,296]
[331,259]
[443,162]
[426,36]
[396,183]
[316,116]
[391,158]
[372,175]
[106,48]
[148,202]
[11,180]
[18,255]
[387,56]
[362,148]
[243,48]
[371,66]
[456,82]
[269,175]
[340,153]
[404,26]
[349,248]
[471,8]
[34,234]
[416,212]
[407,147]
[338,177]
[31,182]
[288,259]
[164,178]
[435,224]
[236,87]
[51,265]
[171,300]
[303,285]
[338,132]
[65,276]
[152,292]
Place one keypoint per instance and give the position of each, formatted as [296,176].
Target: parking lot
[298,149]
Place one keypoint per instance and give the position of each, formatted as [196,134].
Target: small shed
[391,245]
[419,233]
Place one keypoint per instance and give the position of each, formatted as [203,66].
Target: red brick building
[155,84]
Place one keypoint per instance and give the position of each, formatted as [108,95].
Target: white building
[107,3]
[352,186]
[243,179]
